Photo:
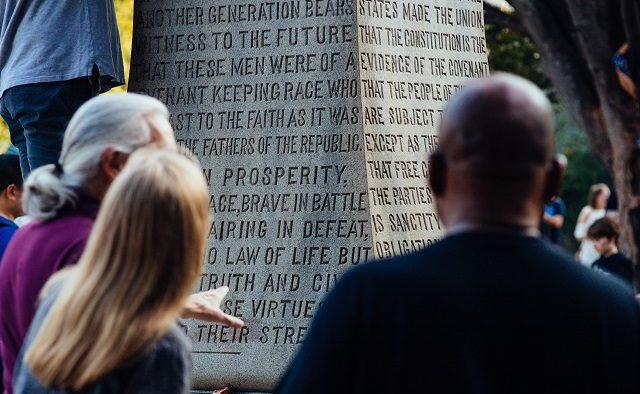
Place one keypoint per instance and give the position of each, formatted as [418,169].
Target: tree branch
[630,12]
[562,60]
[598,42]
[495,16]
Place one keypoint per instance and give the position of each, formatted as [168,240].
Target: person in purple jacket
[10,205]
[64,200]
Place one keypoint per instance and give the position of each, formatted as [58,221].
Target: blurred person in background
[621,63]
[555,212]
[596,209]
[604,234]
[552,221]
[10,205]
[10,198]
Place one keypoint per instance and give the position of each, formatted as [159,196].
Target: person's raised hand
[206,306]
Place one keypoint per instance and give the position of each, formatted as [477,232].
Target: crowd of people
[595,227]
[92,286]
[63,200]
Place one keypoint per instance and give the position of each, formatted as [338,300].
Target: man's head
[604,233]
[10,186]
[495,166]
[101,136]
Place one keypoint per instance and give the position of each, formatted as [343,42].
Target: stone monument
[313,121]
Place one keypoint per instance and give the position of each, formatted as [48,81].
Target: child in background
[605,233]
[10,198]
[10,203]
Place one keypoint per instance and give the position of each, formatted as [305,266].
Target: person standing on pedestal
[54,56]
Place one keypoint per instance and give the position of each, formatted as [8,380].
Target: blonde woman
[108,325]
[597,209]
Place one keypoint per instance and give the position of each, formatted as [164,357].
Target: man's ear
[12,192]
[111,162]
[437,173]
[553,182]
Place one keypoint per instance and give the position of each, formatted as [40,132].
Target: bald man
[491,309]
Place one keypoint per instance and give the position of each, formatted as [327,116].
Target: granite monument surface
[313,121]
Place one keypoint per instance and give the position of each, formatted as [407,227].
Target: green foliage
[516,53]
[124,12]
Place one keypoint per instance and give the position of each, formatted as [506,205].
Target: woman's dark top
[617,265]
[165,368]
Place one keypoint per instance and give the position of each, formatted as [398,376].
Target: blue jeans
[37,116]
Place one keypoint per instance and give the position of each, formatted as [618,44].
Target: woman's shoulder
[166,366]
[586,209]
[24,381]
[165,369]
[585,213]
[48,296]
[174,342]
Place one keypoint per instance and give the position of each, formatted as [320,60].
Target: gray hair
[119,121]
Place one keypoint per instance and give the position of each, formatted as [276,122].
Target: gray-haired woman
[64,200]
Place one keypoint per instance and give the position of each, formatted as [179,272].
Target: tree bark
[577,40]
[598,44]
[566,69]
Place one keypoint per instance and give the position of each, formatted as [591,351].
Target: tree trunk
[626,174]
[577,40]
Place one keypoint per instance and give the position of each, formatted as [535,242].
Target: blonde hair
[141,261]
[595,191]
[122,121]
